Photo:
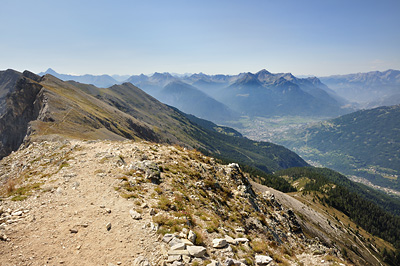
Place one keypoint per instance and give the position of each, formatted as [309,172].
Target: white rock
[141,261]
[179,252]
[174,241]
[167,238]
[196,251]
[186,258]
[172,258]
[230,240]
[219,243]
[135,215]
[17,213]
[192,236]
[214,263]
[262,260]
[179,246]
[241,240]
[178,263]
[187,242]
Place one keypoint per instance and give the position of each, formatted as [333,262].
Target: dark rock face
[22,105]
[8,79]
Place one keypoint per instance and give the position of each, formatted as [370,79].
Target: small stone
[135,215]
[144,205]
[219,243]
[17,213]
[167,238]
[179,246]
[178,252]
[232,262]
[214,263]
[108,226]
[187,242]
[230,240]
[240,230]
[263,260]
[108,210]
[141,261]
[174,241]
[192,236]
[196,251]
[102,206]
[73,230]
[186,258]
[241,240]
[152,212]
[178,263]
[172,258]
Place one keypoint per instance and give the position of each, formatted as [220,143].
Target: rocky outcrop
[22,106]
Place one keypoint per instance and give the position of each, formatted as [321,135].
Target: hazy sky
[319,37]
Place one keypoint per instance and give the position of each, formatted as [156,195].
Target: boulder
[196,251]
[263,260]
[219,243]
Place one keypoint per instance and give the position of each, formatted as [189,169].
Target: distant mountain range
[101,81]
[223,98]
[370,89]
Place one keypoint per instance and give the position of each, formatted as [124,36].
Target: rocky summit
[77,202]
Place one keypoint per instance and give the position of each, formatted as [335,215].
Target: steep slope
[105,202]
[8,79]
[365,87]
[21,105]
[364,143]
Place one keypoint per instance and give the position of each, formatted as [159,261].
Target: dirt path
[81,200]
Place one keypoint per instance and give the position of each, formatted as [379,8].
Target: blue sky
[321,37]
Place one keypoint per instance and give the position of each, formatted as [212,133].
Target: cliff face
[21,106]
